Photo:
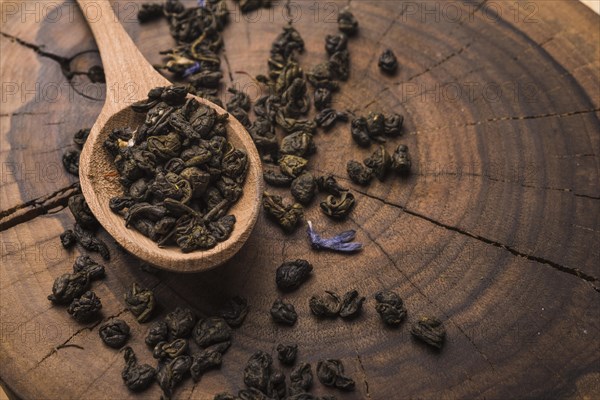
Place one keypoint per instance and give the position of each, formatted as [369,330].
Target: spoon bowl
[98,175]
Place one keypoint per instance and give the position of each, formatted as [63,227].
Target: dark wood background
[496,232]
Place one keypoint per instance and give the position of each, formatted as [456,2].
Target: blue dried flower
[192,70]
[342,242]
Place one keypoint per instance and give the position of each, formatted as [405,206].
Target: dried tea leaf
[164,350]
[204,361]
[252,394]
[140,302]
[327,118]
[339,64]
[322,98]
[87,240]
[291,274]
[430,330]
[325,305]
[347,23]
[388,62]
[299,144]
[225,396]
[257,372]
[379,162]
[136,377]
[277,388]
[328,183]
[331,373]
[283,313]
[211,331]
[67,287]
[70,160]
[401,160]
[287,353]
[181,321]
[351,305]
[301,379]
[85,308]
[393,125]
[292,166]
[159,332]
[335,43]
[149,12]
[235,311]
[286,215]
[82,213]
[390,307]
[338,207]
[172,373]
[359,173]
[114,333]
[85,265]
[277,180]
[304,188]
[359,131]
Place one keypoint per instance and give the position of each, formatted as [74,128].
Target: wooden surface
[126,66]
[496,232]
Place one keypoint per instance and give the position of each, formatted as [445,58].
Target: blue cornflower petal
[192,70]
[342,242]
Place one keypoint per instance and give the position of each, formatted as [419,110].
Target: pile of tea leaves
[180,173]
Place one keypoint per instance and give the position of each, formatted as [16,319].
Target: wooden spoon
[129,77]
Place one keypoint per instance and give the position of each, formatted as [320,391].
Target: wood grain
[496,232]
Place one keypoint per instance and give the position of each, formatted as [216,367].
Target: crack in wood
[442,61]
[283,249]
[88,387]
[376,45]
[434,175]
[25,212]
[591,280]
[192,391]
[585,195]
[22,113]
[514,118]
[66,146]
[77,332]
[420,291]
[445,59]
[63,344]
[481,353]
[362,369]
[524,185]
[475,10]
[63,62]
[578,155]
[423,73]
[470,15]
[585,228]
[228,65]
[288,12]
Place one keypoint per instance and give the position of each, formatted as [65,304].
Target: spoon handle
[129,76]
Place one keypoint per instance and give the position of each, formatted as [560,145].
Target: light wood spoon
[129,77]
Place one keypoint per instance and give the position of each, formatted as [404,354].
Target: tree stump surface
[496,231]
